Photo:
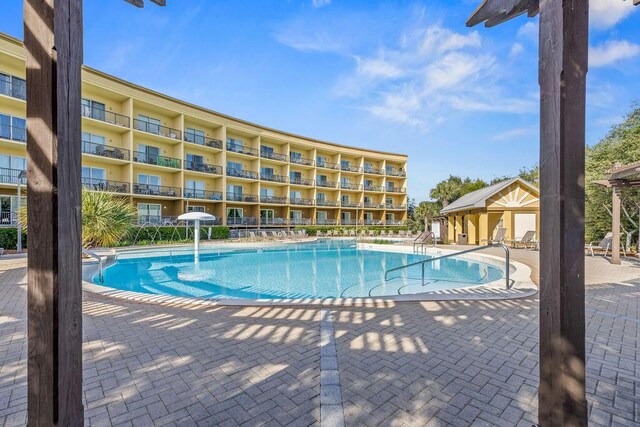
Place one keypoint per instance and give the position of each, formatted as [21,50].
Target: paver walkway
[444,363]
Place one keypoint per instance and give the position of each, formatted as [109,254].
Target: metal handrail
[96,256]
[479,248]
[422,237]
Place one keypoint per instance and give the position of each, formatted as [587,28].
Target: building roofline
[475,204]
[123,82]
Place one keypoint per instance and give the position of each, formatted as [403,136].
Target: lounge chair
[606,244]
[383,233]
[274,235]
[402,233]
[352,233]
[498,238]
[252,236]
[391,233]
[526,240]
[264,235]
[363,233]
[302,234]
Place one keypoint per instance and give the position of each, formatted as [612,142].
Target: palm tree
[105,218]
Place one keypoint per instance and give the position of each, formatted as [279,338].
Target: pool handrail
[476,249]
[100,262]
[422,239]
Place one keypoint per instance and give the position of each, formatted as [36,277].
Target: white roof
[196,216]
[478,198]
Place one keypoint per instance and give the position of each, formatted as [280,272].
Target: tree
[531,175]
[453,188]
[424,211]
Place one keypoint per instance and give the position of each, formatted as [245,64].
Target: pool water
[324,269]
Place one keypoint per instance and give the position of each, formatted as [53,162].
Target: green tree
[425,210]
[531,174]
[453,188]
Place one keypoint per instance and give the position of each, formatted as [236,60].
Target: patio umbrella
[196,217]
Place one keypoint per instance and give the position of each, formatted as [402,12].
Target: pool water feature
[324,269]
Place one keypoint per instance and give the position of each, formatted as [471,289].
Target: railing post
[423,274]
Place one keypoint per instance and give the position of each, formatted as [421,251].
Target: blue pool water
[309,270]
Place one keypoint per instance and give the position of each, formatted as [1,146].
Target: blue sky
[391,75]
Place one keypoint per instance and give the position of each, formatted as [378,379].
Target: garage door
[524,223]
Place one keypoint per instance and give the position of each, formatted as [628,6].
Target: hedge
[313,230]
[165,235]
[9,238]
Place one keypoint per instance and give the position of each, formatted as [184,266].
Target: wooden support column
[615,241]
[53,42]
[563,70]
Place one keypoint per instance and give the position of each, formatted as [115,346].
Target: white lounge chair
[526,240]
[498,238]
[606,244]
[264,235]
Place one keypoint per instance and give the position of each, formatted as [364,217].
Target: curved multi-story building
[169,156]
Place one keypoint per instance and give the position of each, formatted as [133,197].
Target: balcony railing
[334,203]
[156,190]
[13,89]
[274,199]
[349,168]
[274,178]
[327,165]
[302,202]
[105,150]
[105,116]
[241,173]
[372,170]
[239,197]
[373,187]
[350,222]
[396,190]
[373,222]
[369,205]
[13,133]
[301,181]
[302,161]
[241,149]
[192,193]
[396,172]
[8,219]
[326,221]
[350,186]
[156,220]
[202,167]
[153,159]
[105,185]
[350,204]
[393,222]
[396,207]
[274,221]
[274,156]
[327,184]
[300,221]
[202,140]
[156,129]
[10,176]
[242,221]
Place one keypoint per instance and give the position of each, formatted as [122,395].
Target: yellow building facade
[475,217]
[168,157]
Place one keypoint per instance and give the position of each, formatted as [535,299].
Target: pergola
[53,42]
[619,177]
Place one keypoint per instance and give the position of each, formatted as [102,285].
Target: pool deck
[393,363]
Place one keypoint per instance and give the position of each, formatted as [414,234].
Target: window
[92,175]
[345,217]
[266,216]
[148,124]
[148,153]
[344,198]
[295,176]
[266,150]
[266,171]
[322,178]
[235,215]
[93,144]
[345,164]
[234,166]
[10,168]
[295,155]
[346,181]
[194,135]
[390,217]
[235,190]
[145,179]
[295,215]
[195,208]
[295,194]
[321,216]
[93,109]
[390,186]
[235,144]
[368,167]
[12,127]
[13,86]
[368,216]
[389,201]
[194,189]
[368,183]
[149,213]
[321,161]
[266,192]
[367,199]
[321,197]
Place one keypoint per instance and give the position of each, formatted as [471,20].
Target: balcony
[201,140]
[396,172]
[192,193]
[372,170]
[327,184]
[350,222]
[105,151]
[241,173]
[13,89]
[350,204]
[242,221]
[396,190]
[105,185]
[153,159]
[8,219]
[301,181]
[373,187]
[274,221]
[302,202]
[13,133]
[156,129]
[330,203]
[349,168]
[369,205]
[350,186]
[156,220]
[241,149]
[327,165]
[373,222]
[274,156]
[156,190]
[274,199]
[326,221]
[202,167]
[396,207]
[10,176]
[274,178]
[105,116]
[239,197]
[302,161]
[300,221]
[393,222]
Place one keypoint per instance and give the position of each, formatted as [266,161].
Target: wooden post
[615,241]
[53,42]
[563,70]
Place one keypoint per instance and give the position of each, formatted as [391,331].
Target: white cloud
[611,52]
[513,134]
[516,50]
[529,31]
[320,3]
[605,14]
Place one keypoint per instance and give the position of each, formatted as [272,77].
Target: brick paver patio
[444,363]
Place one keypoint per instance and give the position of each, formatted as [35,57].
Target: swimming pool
[323,269]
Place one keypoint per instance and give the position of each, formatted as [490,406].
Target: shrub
[9,238]
[344,230]
[147,235]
